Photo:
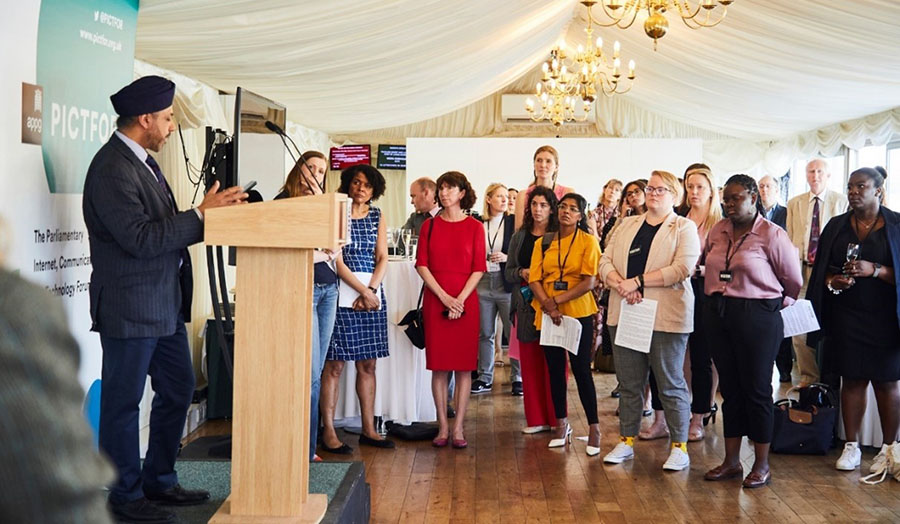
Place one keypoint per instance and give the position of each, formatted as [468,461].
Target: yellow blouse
[583,256]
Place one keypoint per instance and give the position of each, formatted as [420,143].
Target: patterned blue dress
[361,335]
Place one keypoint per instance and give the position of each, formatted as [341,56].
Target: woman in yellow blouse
[562,273]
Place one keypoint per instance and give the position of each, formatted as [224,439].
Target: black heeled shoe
[711,416]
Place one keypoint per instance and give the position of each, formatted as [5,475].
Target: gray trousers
[493,300]
[666,359]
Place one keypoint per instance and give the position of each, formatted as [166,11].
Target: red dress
[456,250]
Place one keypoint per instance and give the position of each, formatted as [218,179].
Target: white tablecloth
[403,385]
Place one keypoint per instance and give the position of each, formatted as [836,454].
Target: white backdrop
[585,164]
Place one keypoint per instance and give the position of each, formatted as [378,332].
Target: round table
[402,384]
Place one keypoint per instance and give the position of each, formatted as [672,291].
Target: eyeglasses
[633,192]
[660,191]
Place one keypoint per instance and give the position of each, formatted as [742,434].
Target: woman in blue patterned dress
[360,331]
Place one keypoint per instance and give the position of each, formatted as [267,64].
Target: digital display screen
[346,156]
[391,157]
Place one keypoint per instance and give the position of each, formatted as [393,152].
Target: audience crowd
[720,263]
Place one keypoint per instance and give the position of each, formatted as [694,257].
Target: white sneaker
[531,430]
[619,454]
[677,461]
[850,458]
[880,460]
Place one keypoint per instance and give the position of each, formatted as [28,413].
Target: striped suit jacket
[141,276]
[49,469]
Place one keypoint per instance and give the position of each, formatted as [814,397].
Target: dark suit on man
[49,469]
[140,295]
[778,214]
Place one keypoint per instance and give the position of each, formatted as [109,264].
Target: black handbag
[805,426]
[415,323]
[414,320]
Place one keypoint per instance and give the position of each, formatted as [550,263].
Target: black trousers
[744,336]
[581,370]
[701,360]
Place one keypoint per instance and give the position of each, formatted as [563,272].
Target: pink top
[763,263]
[558,190]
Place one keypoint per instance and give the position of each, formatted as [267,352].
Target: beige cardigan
[674,251]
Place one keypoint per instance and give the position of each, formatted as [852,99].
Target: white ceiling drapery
[771,69]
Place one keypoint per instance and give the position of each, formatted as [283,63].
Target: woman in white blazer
[651,256]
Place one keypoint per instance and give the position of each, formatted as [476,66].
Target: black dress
[866,334]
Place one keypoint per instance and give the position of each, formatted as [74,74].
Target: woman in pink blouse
[752,271]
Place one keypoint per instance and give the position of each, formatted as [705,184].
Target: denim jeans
[325,298]
[493,300]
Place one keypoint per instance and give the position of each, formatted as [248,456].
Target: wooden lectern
[270,441]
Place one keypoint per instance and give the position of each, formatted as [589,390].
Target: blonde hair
[488,193]
[714,213]
[671,182]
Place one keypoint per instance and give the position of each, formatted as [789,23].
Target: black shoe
[141,510]
[517,388]
[178,496]
[343,449]
[479,386]
[451,413]
[615,393]
[375,443]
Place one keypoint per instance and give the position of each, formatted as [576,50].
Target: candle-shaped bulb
[599,42]
[616,47]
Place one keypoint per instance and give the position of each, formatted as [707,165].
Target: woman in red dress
[451,259]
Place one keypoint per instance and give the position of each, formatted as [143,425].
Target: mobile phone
[249,185]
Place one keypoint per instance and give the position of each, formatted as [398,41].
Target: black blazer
[137,243]
[815,293]
[509,227]
[779,216]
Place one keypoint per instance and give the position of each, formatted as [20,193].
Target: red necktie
[813,233]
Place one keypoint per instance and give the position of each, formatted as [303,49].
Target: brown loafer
[722,472]
[757,480]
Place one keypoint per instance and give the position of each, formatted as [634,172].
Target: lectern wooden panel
[270,441]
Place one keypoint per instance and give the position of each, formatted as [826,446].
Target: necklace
[867,226]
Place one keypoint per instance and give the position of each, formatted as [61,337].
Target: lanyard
[729,254]
[562,264]
[491,241]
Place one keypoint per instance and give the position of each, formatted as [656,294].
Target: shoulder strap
[546,240]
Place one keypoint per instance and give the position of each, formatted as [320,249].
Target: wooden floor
[505,476]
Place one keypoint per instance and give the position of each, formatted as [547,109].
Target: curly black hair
[458,180]
[550,197]
[748,183]
[373,176]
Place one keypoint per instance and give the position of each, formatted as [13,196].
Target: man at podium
[140,291]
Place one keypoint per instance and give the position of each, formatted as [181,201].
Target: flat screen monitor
[347,156]
[258,151]
[391,157]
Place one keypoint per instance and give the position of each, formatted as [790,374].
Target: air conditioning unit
[512,109]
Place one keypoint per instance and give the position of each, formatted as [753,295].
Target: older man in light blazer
[807,215]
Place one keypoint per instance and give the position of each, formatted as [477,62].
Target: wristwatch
[373,290]
[877,270]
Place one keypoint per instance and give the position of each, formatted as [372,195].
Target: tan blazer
[799,217]
[674,251]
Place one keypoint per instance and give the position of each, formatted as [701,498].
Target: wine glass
[407,234]
[393,238]
[852,253]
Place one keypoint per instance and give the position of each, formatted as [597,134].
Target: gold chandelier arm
[687,17]
[630,6]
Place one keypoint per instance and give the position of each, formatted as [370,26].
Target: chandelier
[623,13]
[570,79]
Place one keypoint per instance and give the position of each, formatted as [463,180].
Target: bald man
[807,215]
[422,195]
[769,189]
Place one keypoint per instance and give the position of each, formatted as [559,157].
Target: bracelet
[877,270]
[641,280]
[834,291]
